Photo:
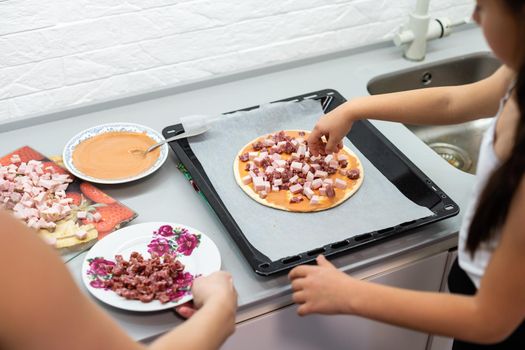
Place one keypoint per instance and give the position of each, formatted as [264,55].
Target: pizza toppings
[281,162]
[35,192]
[159,278]
[353,174]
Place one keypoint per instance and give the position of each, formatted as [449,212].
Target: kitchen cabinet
[283,329]
[436,342]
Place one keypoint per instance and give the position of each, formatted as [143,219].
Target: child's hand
[215,288]
[333,126]
[320,289]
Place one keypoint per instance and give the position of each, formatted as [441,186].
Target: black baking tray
[394,165]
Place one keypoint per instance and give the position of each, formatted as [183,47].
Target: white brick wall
[59,53]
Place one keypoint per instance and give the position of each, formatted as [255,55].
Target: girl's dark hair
[496,199]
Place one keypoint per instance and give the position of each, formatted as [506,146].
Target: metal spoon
[197,130]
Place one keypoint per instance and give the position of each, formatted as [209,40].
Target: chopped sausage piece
[257,146]
[296,199]
[353,174]
[157,278]
[244,157]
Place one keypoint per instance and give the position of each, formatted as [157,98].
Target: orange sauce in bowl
[108,156]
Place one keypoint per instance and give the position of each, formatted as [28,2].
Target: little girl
[488,306]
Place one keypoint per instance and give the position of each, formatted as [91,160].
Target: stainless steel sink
[458,144]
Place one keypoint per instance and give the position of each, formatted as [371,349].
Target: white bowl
[67,155]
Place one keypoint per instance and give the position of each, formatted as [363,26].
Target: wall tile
[61,53]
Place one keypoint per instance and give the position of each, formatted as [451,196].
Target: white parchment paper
[377,204]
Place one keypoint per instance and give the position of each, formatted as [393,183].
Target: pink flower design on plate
[165,230]
[100,266]
[187,243]
[159,246]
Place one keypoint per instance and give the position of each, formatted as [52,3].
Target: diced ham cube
[322,191]
[328,181]
[296,188]
[301,150]
[263,155]
[310,176]
[307,184]
[317,183]
[81,215]
[269,142]
[253,155]
[246,179]
[294,179]
[334,164]
[314,200]
[269,170]
[258,183]
[320,173]
[340,184]
[280,170]
[308,192]
[306,169]
[258,161]
[328,158]
[295,156]
[276,156]
[267,187]
[277,182]
[81,234]
[342,157]
[298,166]
[281,163]
[275,188]
[263,194]
[343,172]
[97,217]
[316,167]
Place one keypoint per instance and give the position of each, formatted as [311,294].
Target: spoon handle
[173,138]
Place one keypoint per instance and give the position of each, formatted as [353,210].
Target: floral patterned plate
[191,247]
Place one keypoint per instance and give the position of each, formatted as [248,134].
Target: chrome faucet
[420,28]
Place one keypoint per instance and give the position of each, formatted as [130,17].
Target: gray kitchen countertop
[167,195]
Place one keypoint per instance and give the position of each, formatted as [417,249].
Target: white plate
[67,155]
[204,260]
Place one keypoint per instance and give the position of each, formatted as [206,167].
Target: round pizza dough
[281,200]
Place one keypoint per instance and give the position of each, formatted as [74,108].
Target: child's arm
[40,299]
[441,105]
[488,317]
